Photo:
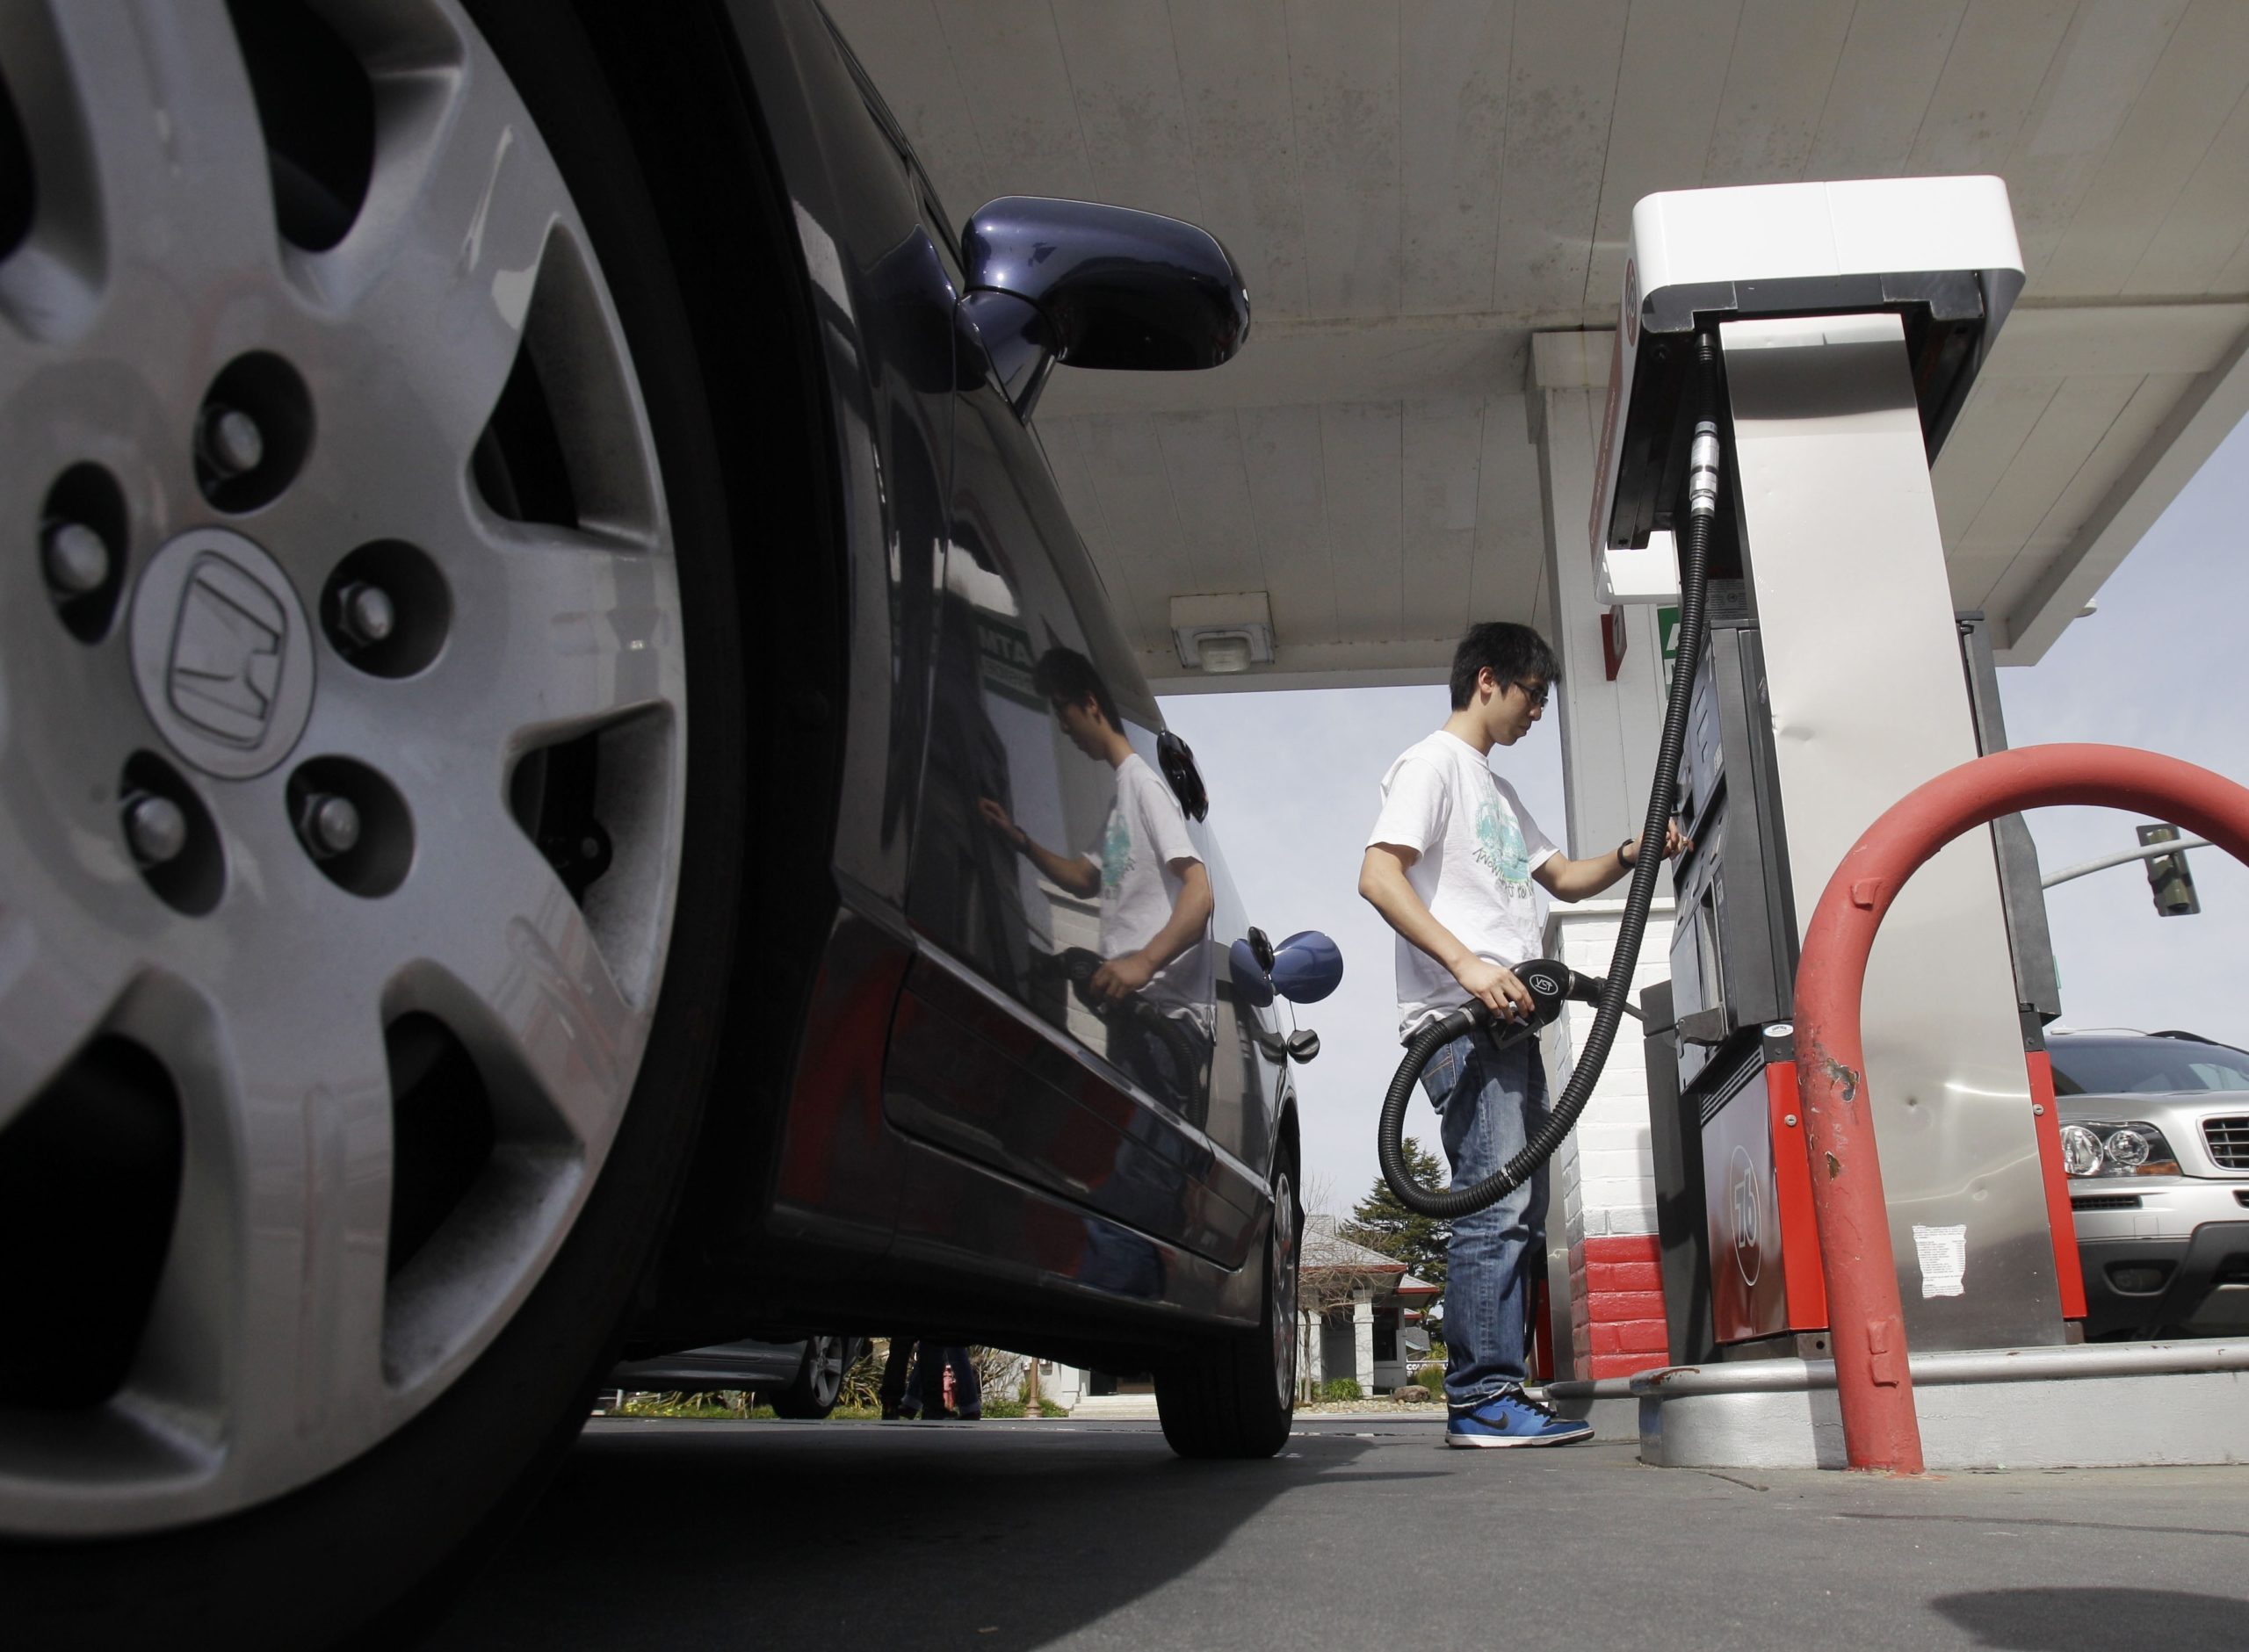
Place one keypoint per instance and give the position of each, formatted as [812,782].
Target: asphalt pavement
[1365,1534]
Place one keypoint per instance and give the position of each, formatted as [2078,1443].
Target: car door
[888,282]
[998,1054]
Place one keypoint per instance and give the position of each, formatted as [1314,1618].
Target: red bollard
[1866,1318]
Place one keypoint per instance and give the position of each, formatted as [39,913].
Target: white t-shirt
[1144,834]
[1477,847]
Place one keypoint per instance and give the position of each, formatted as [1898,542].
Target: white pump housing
[1941,251]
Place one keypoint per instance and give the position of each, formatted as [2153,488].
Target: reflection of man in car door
[1154,890]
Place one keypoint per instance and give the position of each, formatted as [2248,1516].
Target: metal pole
[1873,1384]
[2146,852]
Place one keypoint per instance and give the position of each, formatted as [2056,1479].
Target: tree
[1381,1222]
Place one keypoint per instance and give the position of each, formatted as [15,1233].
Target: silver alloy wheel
[824,1358]
[1285,1329]
[280,1345]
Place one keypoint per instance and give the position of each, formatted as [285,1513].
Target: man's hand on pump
[1565,879]
[1674,842]
[1495,987]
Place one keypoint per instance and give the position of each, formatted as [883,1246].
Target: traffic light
[2167,876]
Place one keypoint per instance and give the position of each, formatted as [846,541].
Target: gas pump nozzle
[1587,989]
[1551,983]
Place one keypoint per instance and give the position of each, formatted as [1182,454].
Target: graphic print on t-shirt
[1475,850]
[1499,848]
[1140,851]
[1116,854]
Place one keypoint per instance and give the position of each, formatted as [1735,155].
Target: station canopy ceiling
[1413,187]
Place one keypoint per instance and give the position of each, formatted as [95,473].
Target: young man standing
[1449,865]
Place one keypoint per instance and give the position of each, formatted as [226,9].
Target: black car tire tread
[340,1562]
[1219,1399]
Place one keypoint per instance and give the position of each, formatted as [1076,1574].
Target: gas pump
[1789,359]
[1834,677]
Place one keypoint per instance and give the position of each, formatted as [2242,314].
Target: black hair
[1511,652]
[1066,677]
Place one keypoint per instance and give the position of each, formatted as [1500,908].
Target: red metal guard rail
[1866,1317]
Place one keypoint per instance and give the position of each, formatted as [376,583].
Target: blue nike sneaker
[1512,1418]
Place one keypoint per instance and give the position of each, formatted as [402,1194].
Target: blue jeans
[1487,1104]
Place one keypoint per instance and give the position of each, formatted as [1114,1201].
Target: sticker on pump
[1943,1251]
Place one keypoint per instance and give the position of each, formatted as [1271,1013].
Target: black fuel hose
[1609,1007]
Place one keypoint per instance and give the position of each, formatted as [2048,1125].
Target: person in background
[925,1395]
[897,1372]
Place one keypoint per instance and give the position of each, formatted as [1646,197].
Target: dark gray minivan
[545,647]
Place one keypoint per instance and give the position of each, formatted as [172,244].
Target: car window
[1036,860]
[1090,590]
[2146,1066]
[944,233]
[869,92]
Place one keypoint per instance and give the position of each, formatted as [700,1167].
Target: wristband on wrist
[1624,859]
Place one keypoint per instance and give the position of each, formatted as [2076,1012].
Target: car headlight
[2127,1149]
[2130,1148]
[2080,1150]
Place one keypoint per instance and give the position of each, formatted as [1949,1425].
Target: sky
[2162,666]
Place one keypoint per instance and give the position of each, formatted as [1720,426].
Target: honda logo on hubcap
[222,654]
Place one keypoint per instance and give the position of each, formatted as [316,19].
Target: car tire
[812,1393]
[366,1552]
[1235,1395]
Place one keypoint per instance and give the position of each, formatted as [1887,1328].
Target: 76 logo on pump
[1746,1216]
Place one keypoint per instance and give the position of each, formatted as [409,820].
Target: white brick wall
[1605,1180]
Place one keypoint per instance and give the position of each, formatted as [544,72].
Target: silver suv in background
[2155,1139]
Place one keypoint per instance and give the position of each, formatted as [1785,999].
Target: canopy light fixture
[1223,634]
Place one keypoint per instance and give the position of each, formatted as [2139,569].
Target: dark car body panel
[953,1148]
[877,289]
[968,1073]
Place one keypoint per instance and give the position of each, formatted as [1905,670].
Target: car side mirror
[1089,285]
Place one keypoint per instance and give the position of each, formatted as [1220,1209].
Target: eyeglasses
[1535,693]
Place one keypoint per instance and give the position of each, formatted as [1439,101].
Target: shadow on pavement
[2071,1619]
[709,1535]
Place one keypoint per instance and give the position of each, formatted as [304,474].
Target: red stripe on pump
[1806,1282]
[2047,1122]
